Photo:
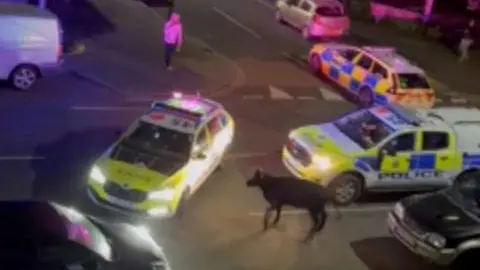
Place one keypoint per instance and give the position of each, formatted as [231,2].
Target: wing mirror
[387,151]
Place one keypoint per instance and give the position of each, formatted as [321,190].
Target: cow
[280,191]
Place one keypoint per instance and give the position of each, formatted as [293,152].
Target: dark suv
[444,226]
[47,235]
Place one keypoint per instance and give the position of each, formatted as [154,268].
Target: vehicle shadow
[62,174]
[385,253]
[384,197]
[80,19]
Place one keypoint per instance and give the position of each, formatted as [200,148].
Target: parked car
[30,44]
[315,18]
[46,235]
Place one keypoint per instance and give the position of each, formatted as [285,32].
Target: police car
[163,157]
[377,75]
[386,148]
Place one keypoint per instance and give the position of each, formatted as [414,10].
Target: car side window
[293,2]
[201,138]
[434,140]
[348,54]
[402,143]
[365,62]
[306,6]
[379,71]
[215,125]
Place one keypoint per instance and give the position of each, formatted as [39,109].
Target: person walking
[466,42]
[172,38]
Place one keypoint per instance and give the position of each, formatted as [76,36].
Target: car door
[200,163]
[341,66]
[290,11]
[434,164]
[394,161]
[361,69]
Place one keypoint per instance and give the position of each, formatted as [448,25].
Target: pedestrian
[172,38]
[466,42]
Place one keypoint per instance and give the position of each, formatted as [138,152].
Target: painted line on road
[306,98]
[250,97]
[12,158]
[106,108]
[367,209]
[237,23]
[459,100]
[246,155]
[265,4]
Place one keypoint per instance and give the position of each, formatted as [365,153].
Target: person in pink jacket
[172,38]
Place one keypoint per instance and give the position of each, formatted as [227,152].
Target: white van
[30,44]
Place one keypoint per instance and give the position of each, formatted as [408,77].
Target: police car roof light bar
[160,106]
[405,114]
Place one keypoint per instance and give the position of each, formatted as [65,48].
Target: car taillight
[316,19]
[59,50]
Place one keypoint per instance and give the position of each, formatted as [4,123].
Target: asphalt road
[54,132]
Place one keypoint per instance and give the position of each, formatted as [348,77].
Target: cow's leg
[266,216]
[278,210]
[315,221]
[322,220]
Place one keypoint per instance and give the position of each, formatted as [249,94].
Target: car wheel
[180,211]
[306,33]
[315,63]
[279,17]
[365,97]
[24,77]
[347,189]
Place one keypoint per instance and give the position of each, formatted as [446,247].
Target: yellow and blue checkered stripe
[351,76]
[417,162]
[470,161]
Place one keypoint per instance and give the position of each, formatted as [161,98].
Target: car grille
[124,192]
[412,225]
[299,153]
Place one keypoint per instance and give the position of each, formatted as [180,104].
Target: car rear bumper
[52,69]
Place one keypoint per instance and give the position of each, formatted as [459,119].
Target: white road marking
[237,23]
[330,95]
[265,4]
[107,108]
[245,155]
[253,97]
[306,98]
[276,93]
[12,158]
[438,100]
[356,209]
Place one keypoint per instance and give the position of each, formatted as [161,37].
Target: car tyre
[279,17]
[23,77]
[315,63]
[365,97]
[347,188]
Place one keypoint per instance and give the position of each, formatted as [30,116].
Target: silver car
[315,18]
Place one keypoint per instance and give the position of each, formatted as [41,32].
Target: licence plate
[120,202]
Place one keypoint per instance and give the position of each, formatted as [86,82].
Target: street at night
[237,54]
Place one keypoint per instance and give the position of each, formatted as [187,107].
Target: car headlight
[399,210]
[436,240]
[97,175]
[164,194]
[322,162]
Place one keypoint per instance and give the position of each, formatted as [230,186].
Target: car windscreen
[157,139]
[412,81]
[329,11]
[364,128]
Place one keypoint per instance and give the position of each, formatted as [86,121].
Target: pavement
[55,131]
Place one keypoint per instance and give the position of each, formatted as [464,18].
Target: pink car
[315,18]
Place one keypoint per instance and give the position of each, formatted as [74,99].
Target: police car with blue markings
[387,148]
[377,75]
